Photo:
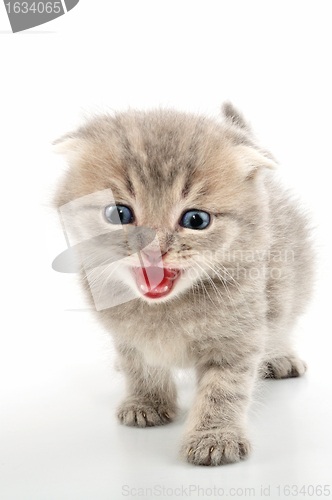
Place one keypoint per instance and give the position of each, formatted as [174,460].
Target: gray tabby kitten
[235,257]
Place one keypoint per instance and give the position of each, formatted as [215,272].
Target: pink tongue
[154,281]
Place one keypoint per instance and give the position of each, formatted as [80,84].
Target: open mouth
[155,282]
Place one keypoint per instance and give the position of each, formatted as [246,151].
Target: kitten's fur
[230,327]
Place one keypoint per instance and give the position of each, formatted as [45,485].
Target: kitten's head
[197,182]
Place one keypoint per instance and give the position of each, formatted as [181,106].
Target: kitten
[220,286]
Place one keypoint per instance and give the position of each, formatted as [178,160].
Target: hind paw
[283,367]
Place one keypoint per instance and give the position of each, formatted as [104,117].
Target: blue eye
[195,219]
[119,214]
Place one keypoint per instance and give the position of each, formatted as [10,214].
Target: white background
[58,387]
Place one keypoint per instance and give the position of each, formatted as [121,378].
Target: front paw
[215,447]
[138,412]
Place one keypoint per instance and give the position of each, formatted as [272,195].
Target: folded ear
[252,160]
[234,116]
[70,146]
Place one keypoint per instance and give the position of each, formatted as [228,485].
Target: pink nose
[153,256]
